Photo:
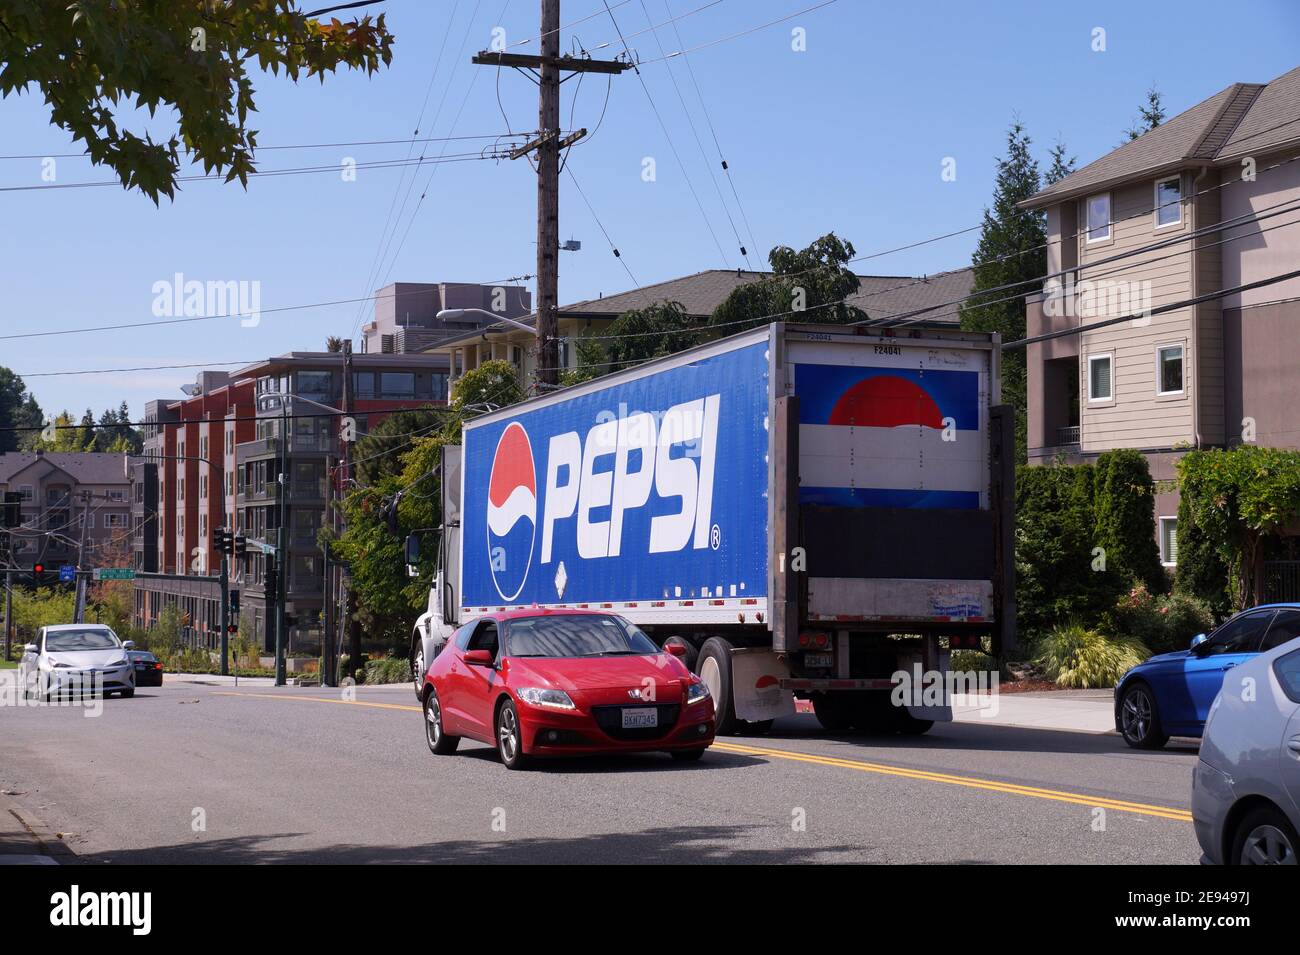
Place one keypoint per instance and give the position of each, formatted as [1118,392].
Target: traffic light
[240,545]
[271,582]
[234,604]
[38,568]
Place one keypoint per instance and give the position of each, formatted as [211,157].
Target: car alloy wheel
[433,721]
[1267,845]
[1136,714]
[508,735]
[417,671]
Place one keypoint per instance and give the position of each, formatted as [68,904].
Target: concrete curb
[45,844]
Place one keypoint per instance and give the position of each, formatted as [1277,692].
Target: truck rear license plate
[639,719]
[818,661]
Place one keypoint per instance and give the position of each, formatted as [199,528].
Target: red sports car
[563,682]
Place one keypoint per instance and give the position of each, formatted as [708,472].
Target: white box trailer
[810,509]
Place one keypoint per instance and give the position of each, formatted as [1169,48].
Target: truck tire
[832,711]
[690,657]
[909,725]
[714,668]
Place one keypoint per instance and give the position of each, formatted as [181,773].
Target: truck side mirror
[412,549]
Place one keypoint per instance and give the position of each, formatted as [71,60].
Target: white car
[76,657]
[1246,785]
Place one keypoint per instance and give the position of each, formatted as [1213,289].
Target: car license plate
[821,661]
[637,719]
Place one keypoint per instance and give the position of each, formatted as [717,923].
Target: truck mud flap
[757,678]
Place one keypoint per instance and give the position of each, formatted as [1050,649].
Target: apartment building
[406,313]
[1195,206]
[305,447]
[879,296]
[60,493]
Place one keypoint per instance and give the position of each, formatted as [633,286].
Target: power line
[267,173]
[714,132]
[336,145]
[743,33]
[600,225]
[690,122]
[667,135]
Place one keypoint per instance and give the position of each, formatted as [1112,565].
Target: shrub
[1162,623]
[1077,657]
[387,670]
[1126,528]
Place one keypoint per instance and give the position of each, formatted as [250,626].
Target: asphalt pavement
[195,773]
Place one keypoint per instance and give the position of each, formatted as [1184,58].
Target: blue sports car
[1170,694]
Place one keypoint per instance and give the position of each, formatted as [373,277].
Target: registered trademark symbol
[715,537]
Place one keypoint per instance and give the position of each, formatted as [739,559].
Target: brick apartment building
[215,458]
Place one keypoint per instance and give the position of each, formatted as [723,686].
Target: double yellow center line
[882,769]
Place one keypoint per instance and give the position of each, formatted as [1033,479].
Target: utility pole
[342,480]
[281,545]
[547,144]
[79,604]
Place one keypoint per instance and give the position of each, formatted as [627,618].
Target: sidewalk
[1078,711]
[25,840]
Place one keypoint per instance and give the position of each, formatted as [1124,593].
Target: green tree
[1124,504]
[18,409]
[67,436]
[376,456]
[493,384]
[1010,252]
[807,285]
[1239,498]
[1150,115]
[1059,166]
[191,58]
[639,335]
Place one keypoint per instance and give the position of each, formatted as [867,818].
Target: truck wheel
[715,670]
[418,667]
[832,712]
[690,657]
[909,725]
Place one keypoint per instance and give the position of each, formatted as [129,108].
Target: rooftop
[1242,119]
[86,467]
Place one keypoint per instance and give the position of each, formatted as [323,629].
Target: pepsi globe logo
[512,511]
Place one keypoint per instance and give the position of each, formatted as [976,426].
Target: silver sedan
[76,658]
[1246,785]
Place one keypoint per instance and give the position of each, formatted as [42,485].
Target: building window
[364,383]
[1169,202]
[315,384]
[397,384]
[1097,211]
[25,490]
[1169,370]
[203,527]
[117,495]
[1100,386]
[112,521]
[1169,541]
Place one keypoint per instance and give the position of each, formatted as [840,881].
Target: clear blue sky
[847,136]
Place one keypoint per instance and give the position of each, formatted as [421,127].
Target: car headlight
[120,663]
[537,696]
[695,692]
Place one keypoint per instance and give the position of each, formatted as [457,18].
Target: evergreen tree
[1059,167]
[18,409]
[1150,115]
[1011,250]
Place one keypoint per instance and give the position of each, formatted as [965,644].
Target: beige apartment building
[1208,201]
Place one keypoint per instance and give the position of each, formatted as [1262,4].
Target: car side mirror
[412,549]
[29,648]
[676,649]
[1197,640]
[128,645]
[478,658]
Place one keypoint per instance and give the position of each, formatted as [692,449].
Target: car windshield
[97,639]
[577,635]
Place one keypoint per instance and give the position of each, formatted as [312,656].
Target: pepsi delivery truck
[809,509]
